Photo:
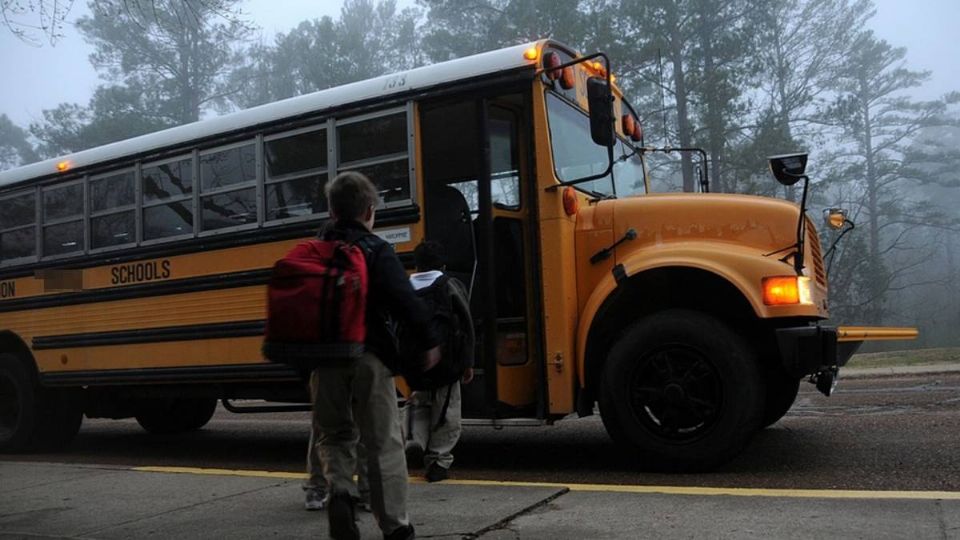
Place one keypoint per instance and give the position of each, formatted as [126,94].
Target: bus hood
[746,221]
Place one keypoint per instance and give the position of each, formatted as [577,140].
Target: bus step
[504,422]
[249,409]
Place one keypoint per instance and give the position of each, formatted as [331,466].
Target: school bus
[132,276]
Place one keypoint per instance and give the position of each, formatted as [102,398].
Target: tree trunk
[876,277]
[714,117]
[685,132]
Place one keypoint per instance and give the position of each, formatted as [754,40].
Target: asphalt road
[896,433]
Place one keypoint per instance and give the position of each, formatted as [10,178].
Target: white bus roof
[415,79]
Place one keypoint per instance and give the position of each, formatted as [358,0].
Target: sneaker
[342,519]
[436,473]
[403,533]
[315,500]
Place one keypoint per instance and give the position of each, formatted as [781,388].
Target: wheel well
[11,343]
[663,288]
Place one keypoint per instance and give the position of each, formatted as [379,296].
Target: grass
[918,357]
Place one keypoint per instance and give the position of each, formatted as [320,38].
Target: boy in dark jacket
[433,416]
[356,399]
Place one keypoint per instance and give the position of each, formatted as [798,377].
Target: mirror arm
[801,226]
[832,252]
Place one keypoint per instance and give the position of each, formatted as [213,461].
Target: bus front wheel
[31,417]
[175,415]
[782,390]
[682,390]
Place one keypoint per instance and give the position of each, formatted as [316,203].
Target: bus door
[475,190]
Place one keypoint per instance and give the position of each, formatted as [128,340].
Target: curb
[894,371]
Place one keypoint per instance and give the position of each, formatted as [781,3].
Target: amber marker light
[63,166]
[571,205]
[531,54]
[567,78]
[628,124]
[637,134]
[786,290]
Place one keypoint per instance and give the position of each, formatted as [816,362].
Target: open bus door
[476,204]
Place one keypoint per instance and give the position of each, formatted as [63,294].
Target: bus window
[504,177]
[113,219]
[575,155]
[230,168]
[168,220]
[628,171]
[18,233]
[296,171]
[167,199]
[63,219]
[377,147]
[167,181]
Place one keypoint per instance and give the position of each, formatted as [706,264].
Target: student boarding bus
[132,276]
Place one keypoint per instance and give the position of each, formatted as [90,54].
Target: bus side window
[63,219]
[113,219]
[18,232]
[168,199]
[226,181]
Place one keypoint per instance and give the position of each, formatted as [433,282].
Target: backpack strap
[443,411]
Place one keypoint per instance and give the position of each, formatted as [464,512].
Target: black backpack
[451,320]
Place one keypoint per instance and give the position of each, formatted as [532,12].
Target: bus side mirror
[788,169]
[600,101]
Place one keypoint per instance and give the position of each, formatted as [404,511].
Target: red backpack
[316,304]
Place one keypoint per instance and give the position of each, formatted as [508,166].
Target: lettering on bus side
[140,272]
[8,289]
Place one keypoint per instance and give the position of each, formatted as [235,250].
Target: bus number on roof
[396,81]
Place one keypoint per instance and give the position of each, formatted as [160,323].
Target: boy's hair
[428,256]
[350,194]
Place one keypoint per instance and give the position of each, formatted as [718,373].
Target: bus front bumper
[819,351]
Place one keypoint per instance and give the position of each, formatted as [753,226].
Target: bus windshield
[575,155]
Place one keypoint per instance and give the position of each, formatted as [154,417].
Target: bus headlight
[787,290]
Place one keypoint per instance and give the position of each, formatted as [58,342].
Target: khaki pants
[315,480]
[358,398]
[423,412]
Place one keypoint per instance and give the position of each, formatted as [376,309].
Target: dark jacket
[389,296]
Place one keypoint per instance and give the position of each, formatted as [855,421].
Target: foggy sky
[37,78]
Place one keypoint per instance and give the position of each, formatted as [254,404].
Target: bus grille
[815,253]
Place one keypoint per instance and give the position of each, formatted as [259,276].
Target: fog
[46,75]
[739,78]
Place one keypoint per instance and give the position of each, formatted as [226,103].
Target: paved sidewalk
[39,500]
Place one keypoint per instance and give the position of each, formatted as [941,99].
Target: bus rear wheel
[682,390]
[175,415]
[34,418]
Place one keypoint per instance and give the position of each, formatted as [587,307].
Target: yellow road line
[223,472]
[614,488]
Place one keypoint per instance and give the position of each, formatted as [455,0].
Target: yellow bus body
[127,320]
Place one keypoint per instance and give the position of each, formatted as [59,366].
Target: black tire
[782,391]
[175,415]
[683,390]
[34,418]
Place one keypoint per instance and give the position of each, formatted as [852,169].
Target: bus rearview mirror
[600,101]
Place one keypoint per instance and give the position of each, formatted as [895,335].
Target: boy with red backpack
[352,364]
